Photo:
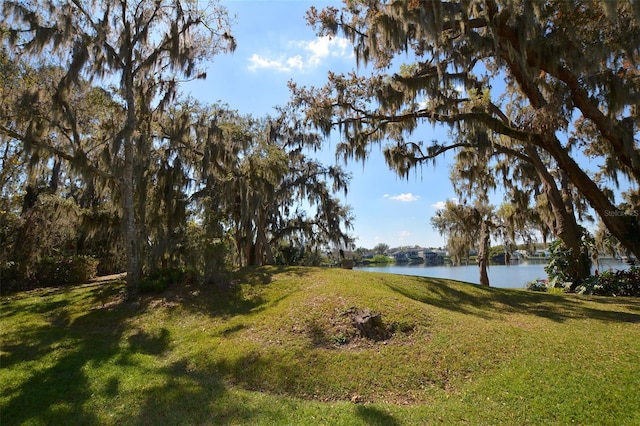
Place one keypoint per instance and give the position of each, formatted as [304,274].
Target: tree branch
[76,160]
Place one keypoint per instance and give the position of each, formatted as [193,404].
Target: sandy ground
[113,277]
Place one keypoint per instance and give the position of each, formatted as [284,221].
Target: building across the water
[418,255]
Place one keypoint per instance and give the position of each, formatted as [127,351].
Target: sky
[274,45]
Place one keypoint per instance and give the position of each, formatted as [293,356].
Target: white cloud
[313,53]
[260,62]
[405,198]
[402,235]
[442,204]
[323,47]
[295,62]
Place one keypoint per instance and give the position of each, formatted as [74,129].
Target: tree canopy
[570,91]
[94,132]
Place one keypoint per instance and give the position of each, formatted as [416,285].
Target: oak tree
[142,48]
[572,89]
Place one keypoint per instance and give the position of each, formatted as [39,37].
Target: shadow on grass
[150,343]
[257,275]
[78,371]
[50,358]
[183,397]
[54,395]
[240,298]
[375,416]
[57,389]
[61,339]
[48,306]
[487,302]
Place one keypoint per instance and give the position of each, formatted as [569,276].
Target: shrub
[314,258]
[291,255]
[381,258]
[613,283]
[10,278]
[608,283]
[53,271]
[554,285]
[82,269]
[558,261]
[160,279]
[561,268]
[537,285]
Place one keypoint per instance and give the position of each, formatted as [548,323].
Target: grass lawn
[281,349]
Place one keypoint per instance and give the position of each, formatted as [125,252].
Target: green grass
[280,349]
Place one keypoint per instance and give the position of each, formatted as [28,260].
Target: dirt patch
[105,278]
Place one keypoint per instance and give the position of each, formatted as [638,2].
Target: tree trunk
[134,267]
[55,175]
[263,243]
[214,251]
[483,253]
[140,167]
[582,260]
[565,225]
[624,227]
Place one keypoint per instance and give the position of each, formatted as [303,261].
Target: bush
[554,285]
[159,280]
[551,286]
[558,261]
[608,283]
[380,258]
[314,258]
[613,283]
[10,278]
[537,285]
[291,255]
[54,271]
[563,262]
[82,269]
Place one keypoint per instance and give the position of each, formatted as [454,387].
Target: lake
[516,275]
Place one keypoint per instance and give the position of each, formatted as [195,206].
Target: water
[516,275]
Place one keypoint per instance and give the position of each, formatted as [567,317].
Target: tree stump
[369,324]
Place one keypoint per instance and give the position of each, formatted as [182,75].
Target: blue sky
[276,45]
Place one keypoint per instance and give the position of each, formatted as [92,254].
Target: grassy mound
[282,349]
